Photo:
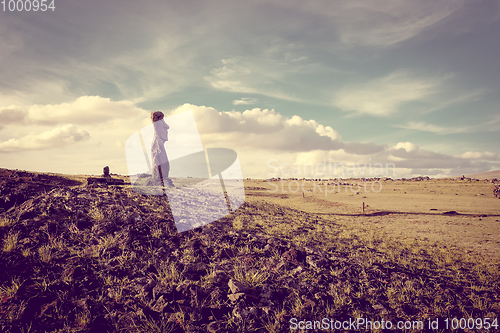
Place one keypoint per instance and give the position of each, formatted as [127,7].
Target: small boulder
[105,171]
[236,297]
[236,286]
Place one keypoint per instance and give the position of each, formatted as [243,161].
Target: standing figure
[161,166]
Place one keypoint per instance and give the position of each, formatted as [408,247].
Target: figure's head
[157,115]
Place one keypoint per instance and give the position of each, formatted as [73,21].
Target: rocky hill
[78,258]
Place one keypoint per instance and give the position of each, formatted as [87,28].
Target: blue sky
[413,83]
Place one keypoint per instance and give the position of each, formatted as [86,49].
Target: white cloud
[75,137]
[384,96]
[256,134]
[405,159]
[244,101]
[480,156]
[261,129]
[58,137]
[410,155]
[84,110]
[407,146]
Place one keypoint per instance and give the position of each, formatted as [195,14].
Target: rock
[149,286]
[496,191]
[314,261]
[236,286]
[296,271]
[381,308]
[194,271]
[267,292]
[241,312]
[159,305]
[266,309]
[236,297]
[25,241]
[237,311]
[214,327]
[309,249]
[104,180]
[290,256]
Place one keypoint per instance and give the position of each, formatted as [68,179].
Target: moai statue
[106,172]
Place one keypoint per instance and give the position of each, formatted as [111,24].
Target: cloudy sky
[368,82]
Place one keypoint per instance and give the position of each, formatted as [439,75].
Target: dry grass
[94,265]
[10,242]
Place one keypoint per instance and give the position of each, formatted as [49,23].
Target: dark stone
[105,171]
[236,286]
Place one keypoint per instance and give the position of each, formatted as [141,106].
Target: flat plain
[454,212]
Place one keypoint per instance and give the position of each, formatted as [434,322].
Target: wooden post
[303,195]
[363,206]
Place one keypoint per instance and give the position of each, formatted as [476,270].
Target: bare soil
[404,209]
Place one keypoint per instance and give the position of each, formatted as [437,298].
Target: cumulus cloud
[256,134]
[408,151]
[405,159]
[262,129]
[407,146]
[58,137]
[258,129]
[410,155]
[84,110]
[384,96]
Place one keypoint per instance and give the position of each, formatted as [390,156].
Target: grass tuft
[10,242]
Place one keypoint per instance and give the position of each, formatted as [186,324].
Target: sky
[374,87]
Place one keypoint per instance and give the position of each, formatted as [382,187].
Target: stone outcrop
[105,171]
[104,180]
